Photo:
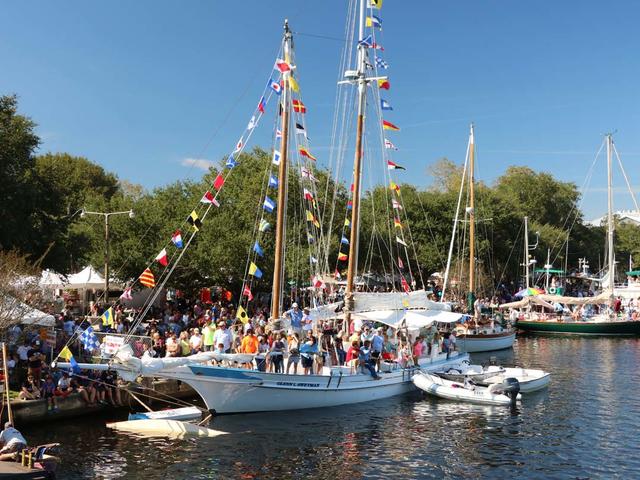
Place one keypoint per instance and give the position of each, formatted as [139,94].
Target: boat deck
[16,471]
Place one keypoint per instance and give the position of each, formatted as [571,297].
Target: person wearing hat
[307,322]
[223,336]
[295,315]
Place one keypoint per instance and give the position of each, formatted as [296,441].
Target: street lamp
[106,215]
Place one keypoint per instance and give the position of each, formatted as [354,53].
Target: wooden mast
[357,169]
[610,224]
[281,214]
[472,218]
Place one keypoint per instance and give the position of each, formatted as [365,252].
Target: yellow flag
[375,4]
[242,315]
[107,317]
[293,84]
[66,353]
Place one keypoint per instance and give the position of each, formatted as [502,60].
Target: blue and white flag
[275,86]
[273,181]
[89,340]
[344,240]
[258,249]
[380,63]
[276,158]
[366,41]
[384,105]
[268,204]
[231,162]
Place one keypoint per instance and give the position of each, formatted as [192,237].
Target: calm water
[585,426]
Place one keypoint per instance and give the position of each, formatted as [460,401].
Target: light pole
[106,216]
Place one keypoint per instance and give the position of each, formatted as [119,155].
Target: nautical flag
[349,204]
[65,353]
[388,144]
[258,249]
[384,84]
[194,221]
[405,285]
[313,259]
[342,256]
[209,198]
[264,225]
[298,106]
[282,66]
[89,340]
[255,271]
[337,274]
[306,153]
[239,145]
[307,194]
[317,282]
[310,237]
[300,129]
[273,181]
[276,158]
[161,258]
[375,4]
[352,187]
[384,105]
[252,123]
[246,292]
[389,126]
[374,21]
[275,86]
[347,222]
[400,263]
[366,41]
[278,133]
[147,279]
[107,317]
[126,295]
[399,240]
[394,186]
[344,240]
[231,162]
[293,84]
[176,238]
[380,63]
[242,315]
[397,223]
[306,173]
[268,204]
[261,104]
[310,217]
[218,182]
[396,204]
[394,166]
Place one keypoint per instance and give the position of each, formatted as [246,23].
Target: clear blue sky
[140,86]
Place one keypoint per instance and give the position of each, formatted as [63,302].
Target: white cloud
[200,163]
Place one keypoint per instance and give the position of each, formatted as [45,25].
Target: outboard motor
[510,387]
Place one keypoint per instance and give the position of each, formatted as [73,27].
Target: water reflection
[584,426]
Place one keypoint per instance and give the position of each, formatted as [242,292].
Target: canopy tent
[51,279]
[414,319]
[89,278]
[25,314]
[528,301]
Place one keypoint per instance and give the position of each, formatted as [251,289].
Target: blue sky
[140,86]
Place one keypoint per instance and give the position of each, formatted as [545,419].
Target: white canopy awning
[89,277]
[24,314]
[51,279]
[415,319]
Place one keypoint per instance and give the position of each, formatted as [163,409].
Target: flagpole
[357,169]
[278,267]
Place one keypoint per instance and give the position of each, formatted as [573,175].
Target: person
[295,315]
[276,353]
[377,345]
[85,389]
[49,392]
[63,389]
[29,390]
[112,392]
[208,333]
[250,345]
[417,349]
[446,344]
[307,322]
[388,349]
[172,346]
[185,347]
[261,357]
[352,355]
[223,335]
[307,352]
[453,341]
[294,353]
[367,334]
[35,362]
[195,341]
[11,439]
[366,361]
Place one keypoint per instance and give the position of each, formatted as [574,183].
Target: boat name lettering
[295,384]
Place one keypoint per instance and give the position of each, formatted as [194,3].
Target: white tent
[25,314]
[89,278]
[51,279]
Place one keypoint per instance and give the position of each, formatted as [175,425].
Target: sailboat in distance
[226,389]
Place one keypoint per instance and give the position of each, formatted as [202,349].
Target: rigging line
[433,237]
[324,37]
[626,179]
[506,265]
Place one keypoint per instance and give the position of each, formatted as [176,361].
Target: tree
[18,287]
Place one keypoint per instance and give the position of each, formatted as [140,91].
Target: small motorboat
[530,379]
[164,428]
[505,393]
[184,413]
[475,373]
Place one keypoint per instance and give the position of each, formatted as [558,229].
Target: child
[48,392]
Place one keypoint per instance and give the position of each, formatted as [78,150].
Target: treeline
[42,195]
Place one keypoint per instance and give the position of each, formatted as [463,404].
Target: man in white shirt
[223,336]
[23,351]
[11,439]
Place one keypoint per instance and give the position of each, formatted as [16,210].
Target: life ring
[552,290]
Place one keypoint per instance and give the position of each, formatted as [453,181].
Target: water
[584,426]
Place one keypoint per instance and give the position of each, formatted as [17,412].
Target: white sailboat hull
[233,390]
[485,343]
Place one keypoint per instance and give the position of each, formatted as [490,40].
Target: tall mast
[472,221]
[526,252]
[610,225]
[361,81]
[281,214]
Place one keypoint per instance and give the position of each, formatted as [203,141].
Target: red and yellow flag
[306,153]
[147,279]
[389,126]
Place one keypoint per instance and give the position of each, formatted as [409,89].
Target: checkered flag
[89,340]
[380,63]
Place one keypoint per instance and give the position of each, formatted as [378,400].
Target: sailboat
[606,321]
[235,390]
[474,336]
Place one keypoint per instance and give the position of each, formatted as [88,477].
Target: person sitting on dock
[49,392]
[11,439]
[29,390]
[63,389]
